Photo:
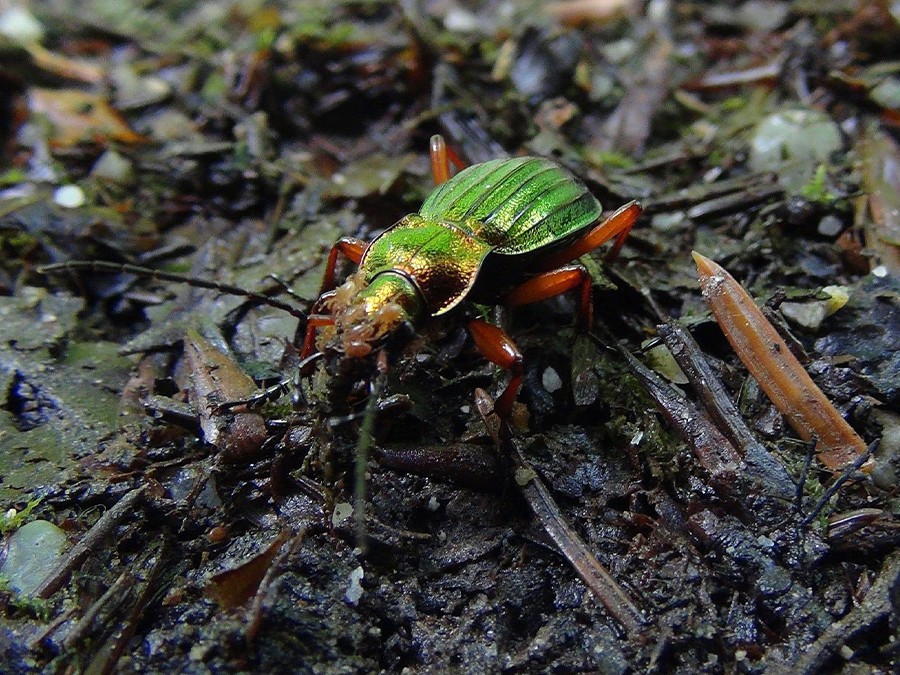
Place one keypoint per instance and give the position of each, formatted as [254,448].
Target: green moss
[214,88]
[12,520]
[633,413]
[610,159]
[36,607]
[733,103]
[18,242]
[13,177]
[816,190]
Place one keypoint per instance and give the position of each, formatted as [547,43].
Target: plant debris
[768,357]
[219,503]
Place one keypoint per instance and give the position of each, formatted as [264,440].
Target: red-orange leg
[441,156]
[351,248]
[618,225]
[312,324]
[498,348]
[555,282]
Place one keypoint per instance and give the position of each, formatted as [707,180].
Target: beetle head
[367,314]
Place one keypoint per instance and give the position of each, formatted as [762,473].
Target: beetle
[502,232]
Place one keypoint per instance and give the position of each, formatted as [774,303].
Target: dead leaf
[233,588]
[216,379]
[77,116]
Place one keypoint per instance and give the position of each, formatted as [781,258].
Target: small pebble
[20,25]
[69,196]
[792,143]
[459,20]
[342,511]
[830,226]
[354,590]
[550,380]
[32,553]
[808,315]
[112,166]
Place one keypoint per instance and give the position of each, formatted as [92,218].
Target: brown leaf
[216,379]
[78,116]
[233,588]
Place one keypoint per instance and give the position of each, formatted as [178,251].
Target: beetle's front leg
[313,323]
[351,248]
[498,348]
[552,283]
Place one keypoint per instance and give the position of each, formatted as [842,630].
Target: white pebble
[69,196]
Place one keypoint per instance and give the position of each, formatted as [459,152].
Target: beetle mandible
[501,232]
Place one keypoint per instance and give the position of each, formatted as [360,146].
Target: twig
[876,607]
[843,478]
[108,603]
[710,446]
[108,654]
[570,545]
[766,355]
[255,613]
[573,548]
[707,384]
[149,273]
[804,473]
[90,542]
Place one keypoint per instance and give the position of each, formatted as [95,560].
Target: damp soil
[371,514]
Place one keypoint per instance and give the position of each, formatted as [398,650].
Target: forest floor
[633,515]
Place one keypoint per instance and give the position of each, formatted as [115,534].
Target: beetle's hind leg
[498,348]
[556,282]
[618,225]
[441,156]
[557,277]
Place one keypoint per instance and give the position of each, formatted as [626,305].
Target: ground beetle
[501,232]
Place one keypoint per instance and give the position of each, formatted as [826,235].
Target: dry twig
[766,355]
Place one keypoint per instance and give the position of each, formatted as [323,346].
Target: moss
[37,607]
[12,520]
[816,190]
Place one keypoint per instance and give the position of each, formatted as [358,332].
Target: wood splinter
[767,356]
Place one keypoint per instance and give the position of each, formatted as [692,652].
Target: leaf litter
[266,133]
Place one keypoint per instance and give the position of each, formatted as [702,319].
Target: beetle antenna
[285,288]
[147,272]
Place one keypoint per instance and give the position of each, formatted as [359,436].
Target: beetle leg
[555,282]
[352,249]
[441,156]
[617,225]
[313,323]
[498,348]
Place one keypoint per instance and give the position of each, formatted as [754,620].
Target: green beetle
[501,232]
